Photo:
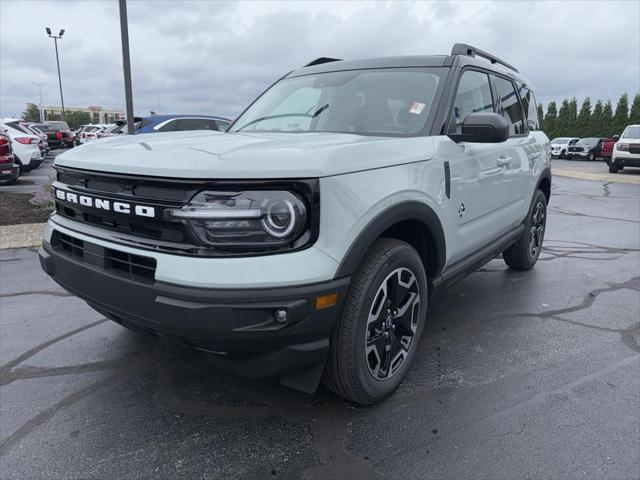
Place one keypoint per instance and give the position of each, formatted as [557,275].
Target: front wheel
[562,154]
[524,254]
[613,168]
[592,156]
[375,340]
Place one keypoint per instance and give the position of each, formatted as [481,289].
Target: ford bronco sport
[303,243]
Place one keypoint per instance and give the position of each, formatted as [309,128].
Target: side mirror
[616,137]
[483,128]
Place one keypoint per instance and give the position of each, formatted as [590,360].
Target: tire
[524,254]
[613,168]
[591,157]
[568,157]
[563,154]
[362,371]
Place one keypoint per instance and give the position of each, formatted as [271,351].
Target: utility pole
[40,85]
[55,41]
[126,64]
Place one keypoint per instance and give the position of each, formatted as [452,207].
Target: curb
[598,177]
[20,236]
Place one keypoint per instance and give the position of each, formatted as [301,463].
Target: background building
[96,114]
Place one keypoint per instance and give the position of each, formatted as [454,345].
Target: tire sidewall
[408,258]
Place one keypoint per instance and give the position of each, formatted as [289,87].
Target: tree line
[599,121]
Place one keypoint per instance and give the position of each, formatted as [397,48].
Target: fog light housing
[280,315]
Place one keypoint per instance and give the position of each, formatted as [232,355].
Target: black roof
[461,55]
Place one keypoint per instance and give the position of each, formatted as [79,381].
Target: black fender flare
[410,210]
[545,174]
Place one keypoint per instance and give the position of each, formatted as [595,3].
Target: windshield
[588,141]
[632,132]
[56,124]
[560,140]
[374,101]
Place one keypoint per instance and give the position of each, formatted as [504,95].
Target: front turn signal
[326,301]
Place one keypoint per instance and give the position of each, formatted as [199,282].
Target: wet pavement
[519,375]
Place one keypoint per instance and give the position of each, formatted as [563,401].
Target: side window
[530,108]
[212,125]
[473,95]
[222,125]
[194,124]
[509,106]
[169,126]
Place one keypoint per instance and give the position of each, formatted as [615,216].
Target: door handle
[504,161]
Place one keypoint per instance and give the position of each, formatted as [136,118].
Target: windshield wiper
[320,110]
[281,115]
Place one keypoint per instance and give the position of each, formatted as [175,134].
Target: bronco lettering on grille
[104,204]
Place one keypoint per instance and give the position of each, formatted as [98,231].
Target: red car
[9,169]
[67,136]
[607,148]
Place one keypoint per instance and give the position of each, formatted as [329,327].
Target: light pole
[126,65]
[40,85]
[55,40]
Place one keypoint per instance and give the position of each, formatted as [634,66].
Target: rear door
[519,153]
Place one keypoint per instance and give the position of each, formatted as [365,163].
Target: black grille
[576,149]
[144,228]
[135,267]
[137,189]
[634,148]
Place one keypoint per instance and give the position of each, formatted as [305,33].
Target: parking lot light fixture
[55,41]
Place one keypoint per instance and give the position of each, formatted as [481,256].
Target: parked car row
[22,149]
[569,148]
[618,151]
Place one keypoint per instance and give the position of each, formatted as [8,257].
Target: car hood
[207,154]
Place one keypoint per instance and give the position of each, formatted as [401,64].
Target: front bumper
[577,154]
[625,158]
[556,153]
[237,326]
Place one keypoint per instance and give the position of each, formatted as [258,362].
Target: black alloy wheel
[536,235]
[524,254]
[376,337]
[392,323]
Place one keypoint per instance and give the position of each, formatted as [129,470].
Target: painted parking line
[599,177]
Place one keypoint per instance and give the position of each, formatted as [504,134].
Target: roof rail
[469,51]
[321,60]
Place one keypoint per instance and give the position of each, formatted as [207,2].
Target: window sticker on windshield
[417,107]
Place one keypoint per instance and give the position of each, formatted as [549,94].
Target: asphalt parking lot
[519,375]
[30,182]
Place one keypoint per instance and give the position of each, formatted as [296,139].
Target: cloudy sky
[215,57]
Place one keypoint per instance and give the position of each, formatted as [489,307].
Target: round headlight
[280,218]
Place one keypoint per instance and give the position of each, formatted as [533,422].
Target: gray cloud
[215,57]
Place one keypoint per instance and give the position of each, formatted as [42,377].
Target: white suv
[626,152]
[305,241]
[26,149]
[560,146]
